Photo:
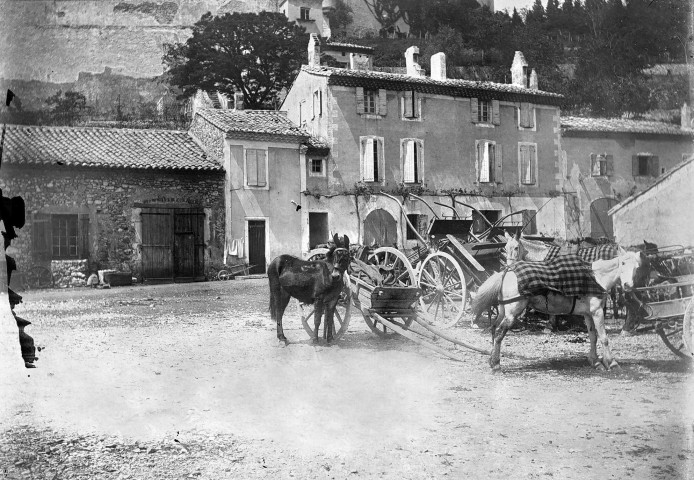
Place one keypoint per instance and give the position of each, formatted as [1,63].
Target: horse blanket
[568,275]
[607,251]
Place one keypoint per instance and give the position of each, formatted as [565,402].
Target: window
[645,165]
[488,161]
[371,102]
[317,103]
[256,167]
[60,236]
[372,159]
[411,151]
[485,112]
[601,165]
[419,222]
[411,105]
[527,163]
[483,219]
[316,167]
[304,13]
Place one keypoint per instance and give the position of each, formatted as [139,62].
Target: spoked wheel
[687,329]
[223,275]
[341,317]
[672,333]
[443,289]
[39,277]
[396,269]
[381,330]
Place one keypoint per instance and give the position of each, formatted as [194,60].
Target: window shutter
[409,175]
[417,147]
[474,106]
[478,160]
[407,99]
[531,116]
[83,236]
[635,165]
[495,112]
[498,172]
[368,160]
[382,102]
[378,159]
[360,100]
[262,171]
[609,167]
[524,115]
[314,104]
[532,156]
[653,166]
[320,102]
[41,241]
[484,163]
[251,168]
[594,166]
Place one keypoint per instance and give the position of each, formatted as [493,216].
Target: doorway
[256,246]
[600,221]
[380,228]
[318,232]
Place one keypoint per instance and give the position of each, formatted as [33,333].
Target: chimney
[438,66]
[412,62]
[519,70]
[314,51]
[328,8]
[686,116]
[533,80]
[238,101]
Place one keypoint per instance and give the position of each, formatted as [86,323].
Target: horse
[502,289]
[317,282]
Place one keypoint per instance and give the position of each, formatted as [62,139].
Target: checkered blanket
[568,275]
[591,254]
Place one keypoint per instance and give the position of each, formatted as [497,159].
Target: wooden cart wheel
[317,254]
[342,313]
[687,329]
[396,269]
[672,333]
[381,330]
[444,291]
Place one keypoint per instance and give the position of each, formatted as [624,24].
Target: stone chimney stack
[533,80]
[519,70]
[238,101]
[314,51]
[412,62]
[438,66]
[328,8]
[686,116]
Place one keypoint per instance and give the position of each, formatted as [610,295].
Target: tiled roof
[268,122]
[619,125]
[104,147]
[452,87]
[316,146]
[348,47]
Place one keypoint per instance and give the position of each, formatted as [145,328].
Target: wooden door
[157,244]
[256,246]
[189,244]
[380,228]
[600,221]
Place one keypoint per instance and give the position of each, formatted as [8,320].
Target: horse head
[513,248]
[339,256]
[633,266]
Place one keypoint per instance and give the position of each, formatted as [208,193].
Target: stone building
[493,146]
[608,160]
[267,161]
[147,202]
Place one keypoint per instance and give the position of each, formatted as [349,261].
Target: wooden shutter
[368,147]
[360,100]
[653,166]
[532,155]
[495,112]
[320,102]
[314,105]
[635,165]
[531,116]
[593,167]
[262,171]
[524,115]
[474,110]
[83,236]
[378,159]
[498,164]
[609,167]
[41,241]
[407,99]
[409,175]
[382,102]
[417,148]
[251,168]
[477,160]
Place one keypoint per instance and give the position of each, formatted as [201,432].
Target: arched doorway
[600,221]
[381,228]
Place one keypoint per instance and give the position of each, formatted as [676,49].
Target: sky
[509,4]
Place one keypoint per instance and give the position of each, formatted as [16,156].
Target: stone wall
[211,138]
[110,197]
[69,273]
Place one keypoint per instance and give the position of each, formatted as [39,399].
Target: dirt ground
[188,381]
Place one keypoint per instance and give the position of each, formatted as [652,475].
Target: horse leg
[317,314]
[593,353]
[281,306]
[599,321]
[329,321]
[504,321]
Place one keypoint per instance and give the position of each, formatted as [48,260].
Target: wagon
[669,305]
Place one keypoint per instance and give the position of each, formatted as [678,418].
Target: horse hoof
[614,365]
[282,342]
[496,369]
[599,366]
[315,340]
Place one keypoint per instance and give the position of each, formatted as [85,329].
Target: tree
[341,17]
[255,54]
[516,19]
[386,12]
[67,108]
[536,13]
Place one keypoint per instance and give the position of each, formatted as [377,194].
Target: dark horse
[318,282]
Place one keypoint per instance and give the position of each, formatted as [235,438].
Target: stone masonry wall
[109,196]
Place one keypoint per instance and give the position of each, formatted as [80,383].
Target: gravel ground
[188,381]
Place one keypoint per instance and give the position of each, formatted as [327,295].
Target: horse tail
[273,276]
[487,295]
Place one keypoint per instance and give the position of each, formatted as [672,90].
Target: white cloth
[233,247]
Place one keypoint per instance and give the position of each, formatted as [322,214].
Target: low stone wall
[69,273]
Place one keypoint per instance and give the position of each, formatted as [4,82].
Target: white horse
[502,289]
